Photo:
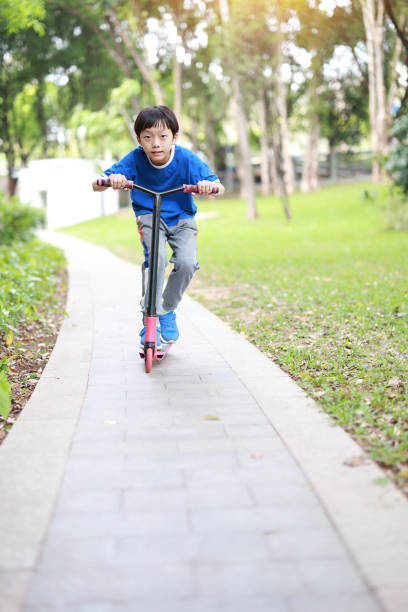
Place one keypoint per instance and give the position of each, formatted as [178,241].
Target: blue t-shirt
[184,167]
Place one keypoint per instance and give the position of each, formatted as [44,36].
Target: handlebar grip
[106,183]
[194,189]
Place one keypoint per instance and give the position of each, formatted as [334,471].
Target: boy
[160,164]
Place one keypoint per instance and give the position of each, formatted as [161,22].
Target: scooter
[150,352]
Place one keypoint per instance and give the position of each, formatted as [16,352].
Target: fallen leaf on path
[355,461]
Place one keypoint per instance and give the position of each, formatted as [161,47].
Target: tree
[120,29]
[42,78]
[373,18]
[397,12]
[245,165]
[335,102]
[17,16]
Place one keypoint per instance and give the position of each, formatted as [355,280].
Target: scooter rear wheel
[148,359]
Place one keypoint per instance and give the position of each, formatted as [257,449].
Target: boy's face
[157,142]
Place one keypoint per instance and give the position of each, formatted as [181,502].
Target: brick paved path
[170,492]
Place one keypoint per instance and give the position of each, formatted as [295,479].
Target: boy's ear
[175,137]
[138,140]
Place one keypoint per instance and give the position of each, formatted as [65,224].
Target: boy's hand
[118,181]
[206,188]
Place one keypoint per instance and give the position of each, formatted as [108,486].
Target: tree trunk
[380,84]
[247,179]
[274,173]
[147,71]
[396,56]
[373,17]
[245,152]
[210,140]
[280,174]
[314,152]
[11,180]
[265,166]
[194,139]
[305,180]
[283,121]
[178,89]
[129,123]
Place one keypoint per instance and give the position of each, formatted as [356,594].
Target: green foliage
[22,15]
[17,220]
[396,207]
[110,128]
[397,164]
[396,210]
[28,278]
[5,400]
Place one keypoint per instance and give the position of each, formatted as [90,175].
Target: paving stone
[186,461]
[245,431]
[355,602]
[284,494]
[65,553]
[209,497]
[331,576]
[267,520]
[187,605]
[89,501]
[73,588]
[208,446]
[249,580]
[114,524]
[258,444]
[52,434]
[13,586]
[205,430]
[306,544]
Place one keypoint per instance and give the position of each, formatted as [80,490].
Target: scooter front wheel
[148,359]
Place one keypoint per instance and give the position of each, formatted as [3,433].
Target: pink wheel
[148,360]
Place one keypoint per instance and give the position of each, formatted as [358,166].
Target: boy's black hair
[154,116]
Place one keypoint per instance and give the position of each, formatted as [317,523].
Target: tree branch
[391,15]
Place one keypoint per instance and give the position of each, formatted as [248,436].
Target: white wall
[64,188]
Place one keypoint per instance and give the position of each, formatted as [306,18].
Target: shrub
[28,279]
[397,164]
[396,210]
[17,220]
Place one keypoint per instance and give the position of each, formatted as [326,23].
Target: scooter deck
[159,355]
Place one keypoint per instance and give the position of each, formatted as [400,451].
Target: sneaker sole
[167,341]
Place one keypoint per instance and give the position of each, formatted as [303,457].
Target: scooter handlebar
[194,189]
[101,182]
[106,183]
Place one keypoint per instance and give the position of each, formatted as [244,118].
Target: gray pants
[182,241]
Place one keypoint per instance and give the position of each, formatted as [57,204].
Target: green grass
[325,296]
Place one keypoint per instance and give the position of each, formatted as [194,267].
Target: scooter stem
[154,252]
